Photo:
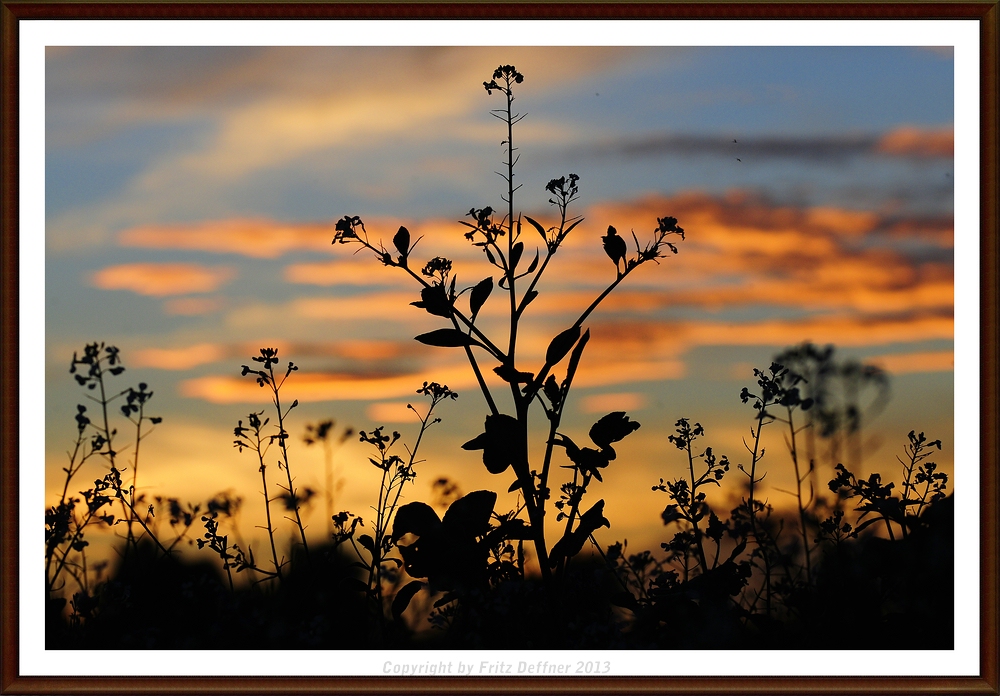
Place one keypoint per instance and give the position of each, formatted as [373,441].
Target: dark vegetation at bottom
[869,593]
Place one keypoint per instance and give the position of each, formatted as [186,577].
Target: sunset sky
[191,195]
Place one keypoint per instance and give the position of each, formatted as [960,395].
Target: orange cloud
[354,351]
[179,358]
[347,272]
[828,275]
[623,340]
[264,238]
[257,238]
[836,293]
[596,373]
[606,403]
[918,142]
[393,412]
[162,279]
[387,306]
[739,221]
[620,352]
[742,251]
[840,220]
[311,387]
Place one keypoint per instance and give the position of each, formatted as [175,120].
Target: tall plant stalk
[505,442]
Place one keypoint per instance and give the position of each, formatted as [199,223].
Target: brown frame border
[12,11]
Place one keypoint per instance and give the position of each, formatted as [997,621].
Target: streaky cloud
[904,142]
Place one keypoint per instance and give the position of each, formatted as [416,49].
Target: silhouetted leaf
[403,597]
[447,338]
[470,514]
[574,359]
[528,297]
[612,428]
[513,376]
[402,241]
[414,518]
[534,263]
[479,295]
[553,392]
[587,459]
[670,514]
[500,442]
[366,541]
[572,542]
[561,344]
[614,246]
[450,597]
[740,548]
[515,255]
[435,300]
[541,230]
[867,523]
[449,554]
[421,558]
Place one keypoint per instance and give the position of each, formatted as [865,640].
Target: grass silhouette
[872,569]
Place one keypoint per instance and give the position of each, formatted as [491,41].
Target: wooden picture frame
[13,385]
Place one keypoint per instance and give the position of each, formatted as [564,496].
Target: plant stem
[135,458]
[479,375]
[798,492]
[267,510]
[694,521]
[130,539]
[753,469]
[282,436]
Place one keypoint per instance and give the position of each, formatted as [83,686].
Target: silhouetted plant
[219,543]
[505,440]
[251,438]
[64,528]
[322,433]
[179,517]
[689,506]
[934,482]
[266,379]
[374,549]
[875,497]
[837,388]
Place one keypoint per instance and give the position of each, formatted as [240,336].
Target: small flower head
[345,229]
[436,391]
[438,268]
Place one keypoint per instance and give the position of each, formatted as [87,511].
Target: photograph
[578,351]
